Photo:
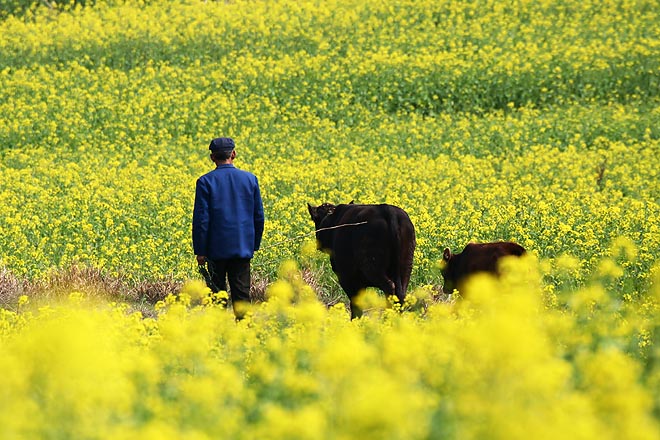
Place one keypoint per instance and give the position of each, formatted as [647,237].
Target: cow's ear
[351,202]
[446,255]
[312,210]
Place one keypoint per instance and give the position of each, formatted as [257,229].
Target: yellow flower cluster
[495,365]
[537,122]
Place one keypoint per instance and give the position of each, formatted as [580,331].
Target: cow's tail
[399,262]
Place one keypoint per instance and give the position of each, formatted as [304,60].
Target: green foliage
[16,7]
[537,123]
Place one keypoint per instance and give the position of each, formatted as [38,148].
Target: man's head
[222,149]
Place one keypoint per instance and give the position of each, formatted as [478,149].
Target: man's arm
[200,222]
[258,217]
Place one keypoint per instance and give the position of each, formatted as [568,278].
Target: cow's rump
[369,246]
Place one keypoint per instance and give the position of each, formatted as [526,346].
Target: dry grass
[91,281]
[142,295]
[11,288]
[258,285]
[96,284]
[328,295]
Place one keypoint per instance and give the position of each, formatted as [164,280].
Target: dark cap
[222,144]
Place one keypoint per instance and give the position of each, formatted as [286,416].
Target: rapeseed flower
[537,124]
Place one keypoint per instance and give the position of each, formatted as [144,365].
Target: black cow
[369,246]
[476,257]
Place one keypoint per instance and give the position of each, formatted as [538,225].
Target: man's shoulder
[245,173]
[205,177]
[225,173]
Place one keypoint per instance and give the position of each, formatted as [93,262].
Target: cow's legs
[352,291]
[406,266]
[356,311]
[398,292]
[390,288]
[384,282]
[395,289]
[386,285]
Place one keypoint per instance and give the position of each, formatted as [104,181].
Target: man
[228,222]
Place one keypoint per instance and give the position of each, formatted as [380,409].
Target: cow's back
[372,229]
[475,258]
[485,256]
[370,246]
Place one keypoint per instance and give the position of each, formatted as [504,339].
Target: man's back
[228,217]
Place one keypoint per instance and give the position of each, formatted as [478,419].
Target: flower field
[536,122]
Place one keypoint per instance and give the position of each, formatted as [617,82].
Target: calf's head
[447,271]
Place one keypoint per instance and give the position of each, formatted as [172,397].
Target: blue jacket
[228,218]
